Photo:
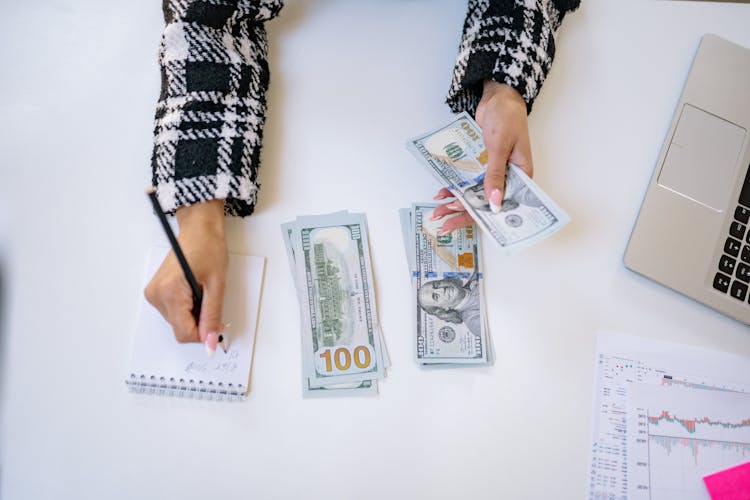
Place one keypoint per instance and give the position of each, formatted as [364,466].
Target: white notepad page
[161,365]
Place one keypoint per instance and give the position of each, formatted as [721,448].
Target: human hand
[501,114]
[202,240]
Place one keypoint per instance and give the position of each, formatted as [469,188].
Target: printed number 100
[342,358]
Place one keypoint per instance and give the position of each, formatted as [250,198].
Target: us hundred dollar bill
[455,154]
[447,283]
[341,340]
[364,387]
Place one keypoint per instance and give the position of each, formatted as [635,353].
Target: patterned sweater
[210,115]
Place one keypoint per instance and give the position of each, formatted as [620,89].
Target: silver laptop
[693,230]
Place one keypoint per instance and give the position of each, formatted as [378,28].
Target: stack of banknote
[343,352]
[455,154]
[447,284]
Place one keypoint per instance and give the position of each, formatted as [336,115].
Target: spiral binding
[198,389]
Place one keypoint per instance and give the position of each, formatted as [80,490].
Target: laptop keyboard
[733,276]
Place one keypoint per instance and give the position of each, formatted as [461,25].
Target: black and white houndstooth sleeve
[210,115]
[508,41]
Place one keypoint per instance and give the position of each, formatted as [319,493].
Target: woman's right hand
[203,242]
[502,116]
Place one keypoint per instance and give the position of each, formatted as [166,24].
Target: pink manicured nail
[496,201]
[211,340]
[454,205]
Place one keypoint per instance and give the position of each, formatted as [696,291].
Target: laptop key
[721,282]
[737,230]
[727,264]
[732,247]
[743,272]
[742,214]
[745,255]
[739,290]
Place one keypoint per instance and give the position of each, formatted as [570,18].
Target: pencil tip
[150,190]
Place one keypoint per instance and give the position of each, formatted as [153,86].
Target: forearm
[206,218]
[211,111]
[507,41]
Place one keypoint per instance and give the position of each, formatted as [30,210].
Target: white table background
[351,81]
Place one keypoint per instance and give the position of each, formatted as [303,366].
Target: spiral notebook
[160,365]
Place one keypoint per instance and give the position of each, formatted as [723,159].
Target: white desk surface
[351,81]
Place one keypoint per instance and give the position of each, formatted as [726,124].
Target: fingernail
[211,340]
[454,205]
[435,217]
[496,201]
[443,232]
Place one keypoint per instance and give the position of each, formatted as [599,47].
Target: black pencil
[189,276]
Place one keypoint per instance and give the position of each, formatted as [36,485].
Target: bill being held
[455,154]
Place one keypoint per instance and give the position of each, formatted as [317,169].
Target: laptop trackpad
[701,162]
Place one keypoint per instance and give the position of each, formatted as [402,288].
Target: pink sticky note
[729,484]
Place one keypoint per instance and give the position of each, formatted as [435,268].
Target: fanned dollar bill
[342,348]
[451,325]
[457,157]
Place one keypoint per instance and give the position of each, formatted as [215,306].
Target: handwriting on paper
[226,364]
